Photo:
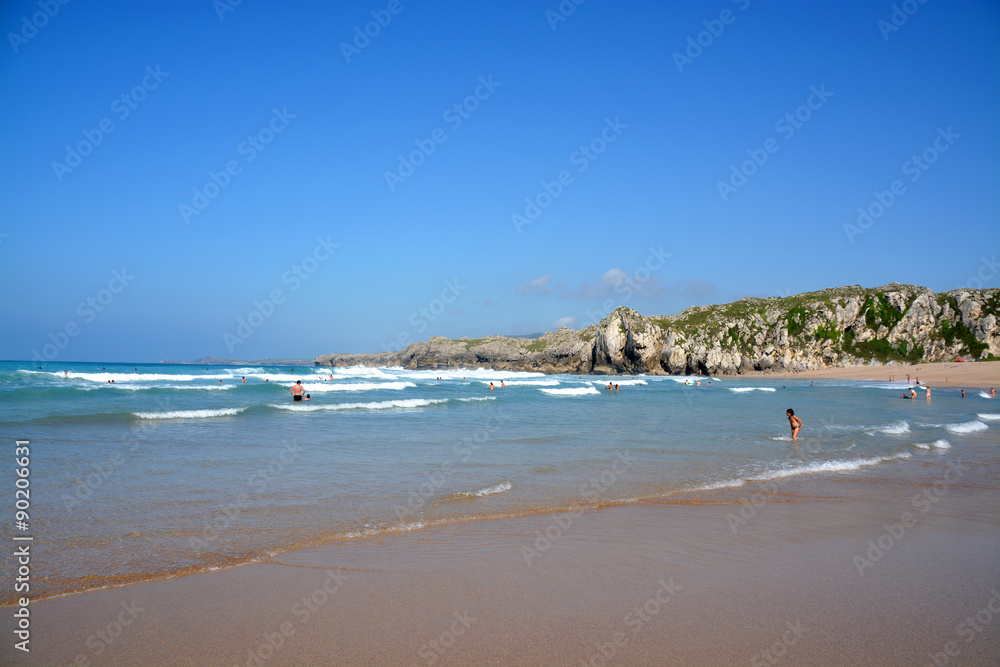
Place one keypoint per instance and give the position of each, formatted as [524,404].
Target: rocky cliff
[843,326]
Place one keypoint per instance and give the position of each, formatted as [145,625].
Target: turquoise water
[177,468]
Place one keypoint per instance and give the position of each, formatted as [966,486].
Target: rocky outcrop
[844,326]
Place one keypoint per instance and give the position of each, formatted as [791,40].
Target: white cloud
[540,285]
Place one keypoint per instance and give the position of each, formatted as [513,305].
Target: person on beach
[297,391]
[794,422]
[963,393]
[616,387]
[244,378]
[928,394]
[502,385]
[308,398]
[491,386]
[993,392]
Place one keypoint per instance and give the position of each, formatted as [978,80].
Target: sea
[148,471]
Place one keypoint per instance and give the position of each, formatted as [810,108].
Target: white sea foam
[623,383]
[404,403]
[467,373]
[827,466]
[725,484]
[374,405]
[895,428]
[136,377]
[186,387]
[357,371]
[305,376]
[524,383]
[502,487]
[967,427]
[313,387]
[937,444]
[370,531]
[740,390]
[985,394]
[190,414]
[571,391]
[989,416]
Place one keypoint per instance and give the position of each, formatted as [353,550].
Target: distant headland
[836,327]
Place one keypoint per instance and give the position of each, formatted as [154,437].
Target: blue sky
[383,192]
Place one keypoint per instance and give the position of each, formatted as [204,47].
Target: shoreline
[713,577]
[940,375]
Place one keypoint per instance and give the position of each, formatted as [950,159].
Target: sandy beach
[950,375]
[842,569]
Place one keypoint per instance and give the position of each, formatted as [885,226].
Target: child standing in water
[794,422]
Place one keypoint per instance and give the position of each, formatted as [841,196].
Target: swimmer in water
[794,422]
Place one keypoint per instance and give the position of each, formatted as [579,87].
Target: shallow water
[182,468]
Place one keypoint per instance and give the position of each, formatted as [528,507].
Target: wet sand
[963,375]
[713,578]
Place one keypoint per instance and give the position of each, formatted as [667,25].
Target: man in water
[297,391]
[794,422]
